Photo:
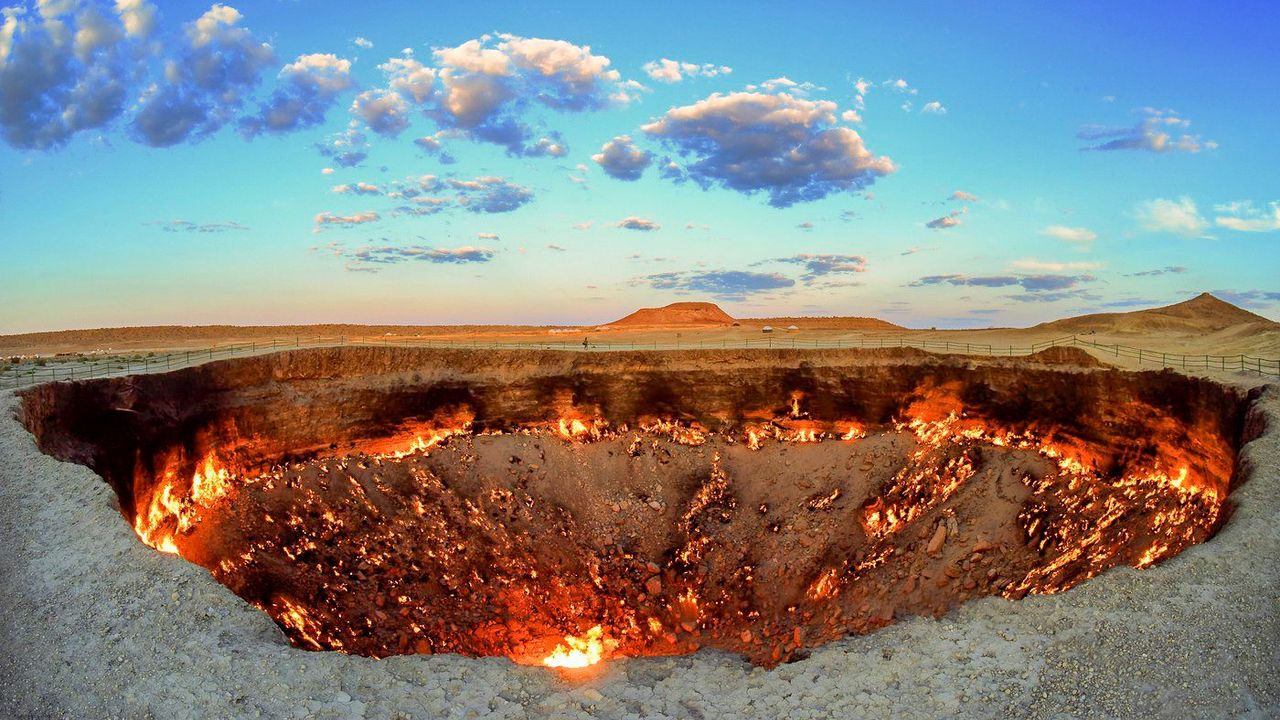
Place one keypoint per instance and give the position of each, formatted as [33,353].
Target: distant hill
[1203,313]
[681,313]
[825,323]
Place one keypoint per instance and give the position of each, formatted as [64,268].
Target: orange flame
[580,652]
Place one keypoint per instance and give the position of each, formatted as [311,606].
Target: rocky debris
[936,541]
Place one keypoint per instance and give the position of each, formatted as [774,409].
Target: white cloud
[63,75]
[900,85]
[205,85]
[638,223]
[1034,265]
[1242,216]
[1153,134]
[326,219]
[670,71]
[309,86]
[385,112]
[621,159]
[362,42]
[933,108]
[486,83]
[359,188]
[138,17]
[410,77]
[1180,216]
[860,89]
[788,147]
[949,220]
[1070,234]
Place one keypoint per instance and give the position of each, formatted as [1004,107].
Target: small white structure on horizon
[767,328]
[792,328]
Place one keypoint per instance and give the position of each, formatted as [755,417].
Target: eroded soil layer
[560,508]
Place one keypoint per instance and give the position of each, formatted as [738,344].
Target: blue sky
[295,162]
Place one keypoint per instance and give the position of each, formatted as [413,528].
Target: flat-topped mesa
[681,313]
[561,508]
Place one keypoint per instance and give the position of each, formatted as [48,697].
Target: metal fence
[80,368]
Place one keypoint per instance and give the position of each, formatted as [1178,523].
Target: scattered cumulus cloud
[949,220]
[1180,217]
[933,108]
[1032,283]
[430,194]
[900,85]
[963,196]
[348,148]
[384,112]
[787,147]
[1160,131]
[78,65]
[482,88]
[67,68]
[720,284]
[860,89]
[820,265]
[1242,216]
[431,145]
[308,87]
[358,188]
[490,194]
[204,86]
[1249,298]
[638,223]
[389,254]
[328,219]
[671,71]
[1034,265]
[1070,234]
[621,159]
[785,84]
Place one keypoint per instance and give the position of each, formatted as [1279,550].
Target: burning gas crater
[569,541]
[464,542]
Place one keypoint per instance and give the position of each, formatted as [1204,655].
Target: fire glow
[1072,522]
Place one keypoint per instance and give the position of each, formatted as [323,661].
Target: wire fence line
[80,368]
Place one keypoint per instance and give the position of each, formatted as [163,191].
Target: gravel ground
[97,625]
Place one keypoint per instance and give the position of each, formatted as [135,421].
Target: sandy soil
[99,625]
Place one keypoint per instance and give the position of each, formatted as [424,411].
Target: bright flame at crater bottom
[580,652]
